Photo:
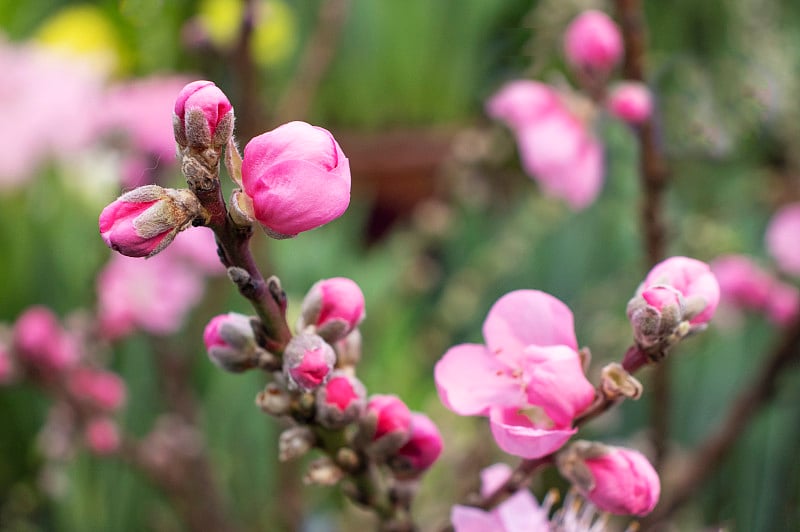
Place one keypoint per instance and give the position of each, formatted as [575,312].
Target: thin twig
[654,176]
[714,449]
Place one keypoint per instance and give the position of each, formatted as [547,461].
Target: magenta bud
[615,479]
[389,417]
[340,401]
[334,307]
[593,42]
[203,116]
[144,221]
[231,343]
[422,449]
[308,362]
[103,390]
[631,102]
[40,341]
[298,178]
[102,436]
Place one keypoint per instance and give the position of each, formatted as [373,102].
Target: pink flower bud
[142,222]
[392,416]
[617,480]
[340,401]
[694,280]
[231,343]
[423,447]
[783,304]
[593,41]
[308,361]
[631,102]
[101,389]
[40,341]
[298,178]
[203,116]
[102,436]
[782,237]
[334,307]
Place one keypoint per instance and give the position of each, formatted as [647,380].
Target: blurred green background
[442,223]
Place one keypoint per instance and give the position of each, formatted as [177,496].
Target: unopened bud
[308,362]
[615,479]
[656,314]
[386,425]
[144,221]
[102,436]
[274,400]
[420,451]
[615,382]
[593,41]
[348,350]
[231,343]
[323,472]
[334,307]
[631,102]
[340,401]
[203,116]
[294,443]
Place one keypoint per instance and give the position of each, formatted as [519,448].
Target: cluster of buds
[677,298]
[41,351]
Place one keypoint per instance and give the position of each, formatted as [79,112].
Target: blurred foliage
[725,74]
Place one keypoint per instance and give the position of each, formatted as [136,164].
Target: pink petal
[521,103]
[521,513]
[469,519]
[493,477]
[783,238]
[528,317]
[515,435]
[470,381]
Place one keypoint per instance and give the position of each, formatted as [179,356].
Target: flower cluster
[553,126]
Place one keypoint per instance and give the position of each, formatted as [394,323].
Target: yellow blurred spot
[222,20]
[83,30]
[276,33]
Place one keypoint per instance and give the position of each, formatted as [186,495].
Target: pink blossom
[693,279]
[422,449]
[341,400]
[308,361]
[197,247]
[49,108]
[783,237]
[153,295]
[212,106]
[102,436]
[593,41]
[392,416]
[102,389]
[334,307]
[298,178]
[624,482]
[783,304]
[556,146]
[527,378]
[40,341]
[630,101]
[518,513]
[742,282]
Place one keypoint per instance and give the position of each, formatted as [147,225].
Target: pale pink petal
[516,435]
[783,238]
[521,103]
[741,281]
[528,317]
[470,381]
[469,519]
[521,513]
[783,304]
[493,477]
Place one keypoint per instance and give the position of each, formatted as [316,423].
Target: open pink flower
[693,279]
[556,146]
[527,378]
[518,513]
[298,178]
[593,41]
[783,238]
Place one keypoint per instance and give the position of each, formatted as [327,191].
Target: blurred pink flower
[593,41]
[556,146]
[40,341]
[624,482]
[197,247]
[783,304]
[693,279]
[528,377]
[102,436]
[518,513]
[783,238]
[6,365]
[298,178]
[630,101]
[102,389]
[51,108]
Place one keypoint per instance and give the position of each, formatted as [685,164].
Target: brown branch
[714,449]
[317,57]
[654,176]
